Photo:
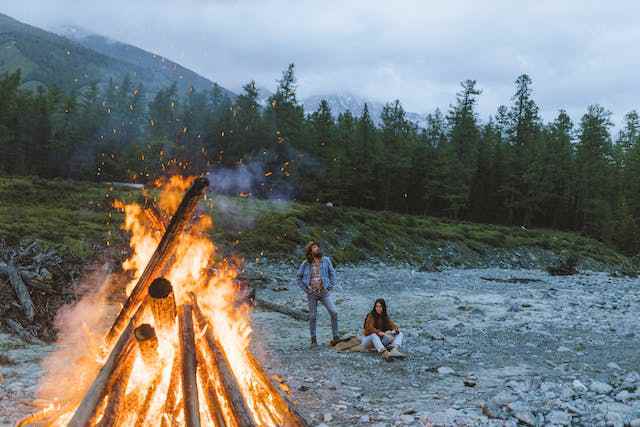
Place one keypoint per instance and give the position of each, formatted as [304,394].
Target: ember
[178,351]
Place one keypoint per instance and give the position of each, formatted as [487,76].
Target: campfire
[178,351]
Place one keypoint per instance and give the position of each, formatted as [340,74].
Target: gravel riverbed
[539,350]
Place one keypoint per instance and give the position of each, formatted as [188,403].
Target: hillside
[49,59]
[159,71]
[77,219]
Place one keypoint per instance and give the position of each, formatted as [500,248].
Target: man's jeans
[380,343]
[313,309]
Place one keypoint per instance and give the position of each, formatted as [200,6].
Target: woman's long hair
[381,320]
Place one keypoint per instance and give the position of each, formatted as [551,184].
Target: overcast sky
[577,51]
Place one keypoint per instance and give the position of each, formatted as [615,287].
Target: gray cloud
[577,51]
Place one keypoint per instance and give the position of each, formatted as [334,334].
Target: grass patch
[77,219]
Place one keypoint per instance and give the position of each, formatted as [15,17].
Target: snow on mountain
[340,103]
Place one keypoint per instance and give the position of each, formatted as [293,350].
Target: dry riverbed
[541,351]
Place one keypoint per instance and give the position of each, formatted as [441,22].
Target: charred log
[160,257]
[189,366]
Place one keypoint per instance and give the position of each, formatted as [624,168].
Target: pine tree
[594,170]
[460,155]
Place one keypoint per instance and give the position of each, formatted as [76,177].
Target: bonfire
[178,351]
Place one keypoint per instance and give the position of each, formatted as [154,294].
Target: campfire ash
[178,352]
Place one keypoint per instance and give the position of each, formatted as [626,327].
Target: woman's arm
[370,326]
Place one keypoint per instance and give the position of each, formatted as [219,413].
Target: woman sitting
[381,332]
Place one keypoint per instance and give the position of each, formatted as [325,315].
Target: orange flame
[193,269]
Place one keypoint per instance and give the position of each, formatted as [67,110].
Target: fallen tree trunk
[189,366]
[20,288]
[161,255]
[296,314]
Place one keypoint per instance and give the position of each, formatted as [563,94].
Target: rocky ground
[540,351]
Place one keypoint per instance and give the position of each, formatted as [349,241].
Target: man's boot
[386,355]
[314,342]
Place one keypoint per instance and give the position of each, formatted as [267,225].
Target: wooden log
[99,388]
[148,399]
[292,418]
[227,378]
[155,217]
[296,314]
[43,415]
[209,390]
[170,403]
[19,330]
[160,256]
[162,303]
[19,287]
[147,343]
[189,368]
[114,411]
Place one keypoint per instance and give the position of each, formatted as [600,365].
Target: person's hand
[380,333]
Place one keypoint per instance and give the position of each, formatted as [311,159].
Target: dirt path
[552,351]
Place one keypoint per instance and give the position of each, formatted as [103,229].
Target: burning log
[210,394]
[228,380]
[292,416]
[114,410]
[189,366]
[147,343]
[162,254]
[162,303]
[170,402]
[106,376]
[148,399]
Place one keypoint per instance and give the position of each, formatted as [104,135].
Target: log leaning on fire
[92,398]
[163,303]
[230,384]
[189,368]
[147,343]
[161,255]
[210,395]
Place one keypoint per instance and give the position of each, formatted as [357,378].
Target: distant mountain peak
[347,101]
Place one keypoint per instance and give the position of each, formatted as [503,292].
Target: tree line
[511,169]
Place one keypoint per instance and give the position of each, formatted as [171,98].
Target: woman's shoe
[314,343]
[386,355]
[396,353]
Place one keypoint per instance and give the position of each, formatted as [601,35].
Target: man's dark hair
[307,250]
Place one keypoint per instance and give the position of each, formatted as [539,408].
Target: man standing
[317,277]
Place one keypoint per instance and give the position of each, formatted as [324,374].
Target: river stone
[445,370]
[558,417]
[600,387]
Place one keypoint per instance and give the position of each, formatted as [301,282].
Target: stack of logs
[32,288]
[200,354]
